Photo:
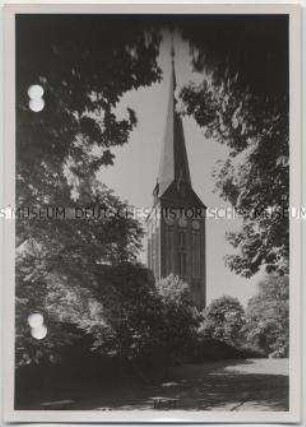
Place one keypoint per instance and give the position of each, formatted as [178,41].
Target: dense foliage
[243,102]
[58,269]
[58,151]
[84,74]
[119,308]
[223,320]
[267,325]
[181,318]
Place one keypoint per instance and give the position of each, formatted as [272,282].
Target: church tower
[176,223]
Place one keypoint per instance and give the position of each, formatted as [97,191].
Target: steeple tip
[172,50]
[174,162]
[172,54]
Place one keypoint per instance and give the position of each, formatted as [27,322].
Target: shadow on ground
[233,386]
[256,385]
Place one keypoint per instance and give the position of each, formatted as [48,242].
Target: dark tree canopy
[85,64]
[243,103]
[253,49]
[60,273]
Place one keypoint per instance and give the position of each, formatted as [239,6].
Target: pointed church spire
[174,163]
[173,66]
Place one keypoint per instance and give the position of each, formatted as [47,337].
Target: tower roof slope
[174,162]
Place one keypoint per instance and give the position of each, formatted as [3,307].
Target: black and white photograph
[153,182]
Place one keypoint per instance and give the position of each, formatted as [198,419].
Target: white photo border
[177,416]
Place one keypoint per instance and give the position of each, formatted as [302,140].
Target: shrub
[267,326]
[180,317]
[223,320]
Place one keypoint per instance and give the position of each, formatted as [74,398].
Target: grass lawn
[237,385]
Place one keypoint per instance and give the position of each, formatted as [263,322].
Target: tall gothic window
[169,251]
[196,254]
[157,255]
[149,253]
[182,254]
[153,251]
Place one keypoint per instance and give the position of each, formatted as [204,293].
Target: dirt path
[238,385]
[258,384]
[247,385]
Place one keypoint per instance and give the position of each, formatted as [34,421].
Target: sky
[133,175]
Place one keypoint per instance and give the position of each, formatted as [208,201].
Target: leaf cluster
[267,325]
[223,320]
[245,107]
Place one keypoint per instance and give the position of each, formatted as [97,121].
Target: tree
[180,315]
[84,74]
[243,102]
[119,314]
[58,151]
[58,271]
[223,320]
[267,325]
